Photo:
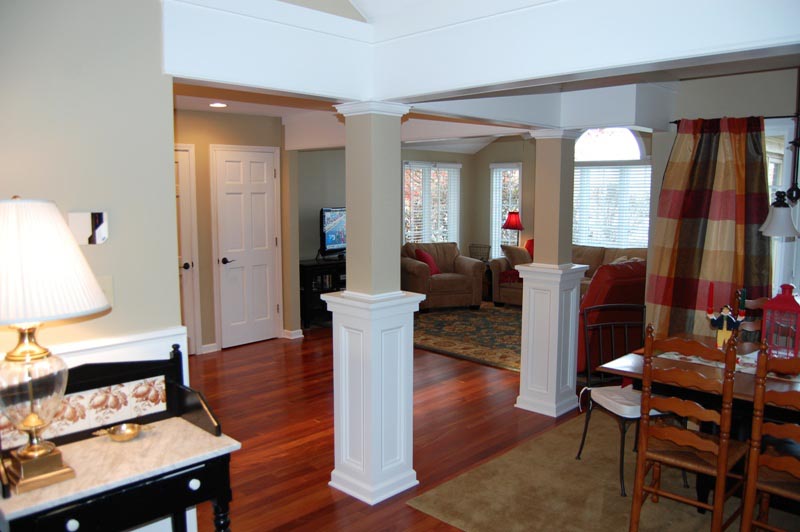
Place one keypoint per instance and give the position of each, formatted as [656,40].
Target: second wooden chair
[775,469]
[663,444]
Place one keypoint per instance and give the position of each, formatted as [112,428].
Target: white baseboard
[207,348]
[293,335]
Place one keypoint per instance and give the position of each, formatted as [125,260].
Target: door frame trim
[213,149]
[195,335]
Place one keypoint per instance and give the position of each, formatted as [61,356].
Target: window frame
[496,212]
[453,213]
[579,235]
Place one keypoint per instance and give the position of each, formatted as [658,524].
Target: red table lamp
[514,223]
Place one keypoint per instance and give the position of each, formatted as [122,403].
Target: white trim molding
[151,345]
[548,365]
[554,134]
[372,108]
[373,393]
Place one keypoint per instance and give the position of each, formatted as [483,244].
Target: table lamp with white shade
[44,277]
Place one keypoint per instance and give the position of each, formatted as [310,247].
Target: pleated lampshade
[43,273]
[513,222]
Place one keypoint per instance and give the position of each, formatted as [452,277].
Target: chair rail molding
[548,365]
[150,345]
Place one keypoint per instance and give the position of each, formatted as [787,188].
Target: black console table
[317,277]
[182,459]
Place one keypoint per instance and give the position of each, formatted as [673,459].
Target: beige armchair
[459,284]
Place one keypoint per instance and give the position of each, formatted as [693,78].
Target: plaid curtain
[713,199]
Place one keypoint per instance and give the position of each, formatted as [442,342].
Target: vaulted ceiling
[489,68]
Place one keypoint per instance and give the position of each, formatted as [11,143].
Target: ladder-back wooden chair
[775,469]
[661,444]
[611,331]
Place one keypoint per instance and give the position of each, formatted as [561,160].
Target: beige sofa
[459,283]
[511,291]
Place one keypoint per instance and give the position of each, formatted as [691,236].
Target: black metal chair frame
[625,326]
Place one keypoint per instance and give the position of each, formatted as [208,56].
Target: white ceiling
[526,103]
[398,18]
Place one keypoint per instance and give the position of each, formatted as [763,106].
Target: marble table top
[101,464]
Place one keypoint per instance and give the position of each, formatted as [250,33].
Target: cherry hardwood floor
[276,397]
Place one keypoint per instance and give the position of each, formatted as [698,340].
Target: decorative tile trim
[93,408]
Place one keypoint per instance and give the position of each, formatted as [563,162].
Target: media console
[317,277]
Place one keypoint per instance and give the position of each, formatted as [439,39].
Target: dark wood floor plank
[276,397]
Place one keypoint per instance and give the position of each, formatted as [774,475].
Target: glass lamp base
[30,473]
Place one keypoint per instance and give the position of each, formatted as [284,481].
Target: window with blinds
[611,204]
[506,196]
[431,198]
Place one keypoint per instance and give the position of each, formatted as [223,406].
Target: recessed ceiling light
[219,105]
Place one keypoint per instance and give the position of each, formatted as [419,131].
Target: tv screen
[332,232]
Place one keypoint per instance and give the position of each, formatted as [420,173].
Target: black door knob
[186,266]
[226,261]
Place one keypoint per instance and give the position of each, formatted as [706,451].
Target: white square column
[548,367]
[373,393]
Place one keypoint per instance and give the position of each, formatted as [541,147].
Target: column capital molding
[572,134]
[372,108]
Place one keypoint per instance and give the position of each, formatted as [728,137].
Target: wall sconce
[779,221]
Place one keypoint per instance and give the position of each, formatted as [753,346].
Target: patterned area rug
[489,335]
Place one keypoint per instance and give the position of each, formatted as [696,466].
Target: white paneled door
[247,251]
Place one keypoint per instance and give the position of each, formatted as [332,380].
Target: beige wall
[290,238]
[87,122]
[762,94]
[503,150]
[203,129]
[321,179]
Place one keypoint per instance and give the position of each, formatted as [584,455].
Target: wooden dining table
[630,366]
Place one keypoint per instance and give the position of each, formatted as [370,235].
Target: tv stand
[331,256]
[319,276]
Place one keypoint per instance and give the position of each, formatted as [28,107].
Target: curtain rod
[795,115]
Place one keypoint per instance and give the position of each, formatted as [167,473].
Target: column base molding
[548,365]
[373,367]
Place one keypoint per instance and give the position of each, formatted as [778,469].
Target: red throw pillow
[529,246]
[509,276]
[427,258]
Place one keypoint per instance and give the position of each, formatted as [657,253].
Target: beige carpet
[540,486]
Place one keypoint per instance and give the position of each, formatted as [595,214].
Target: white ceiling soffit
[315,130]
[468,145]
[427,130]
[643,106]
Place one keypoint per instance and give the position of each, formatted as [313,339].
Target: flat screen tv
[332,231]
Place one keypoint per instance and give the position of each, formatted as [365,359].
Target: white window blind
[611,205]
[506,196]
[431,198]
